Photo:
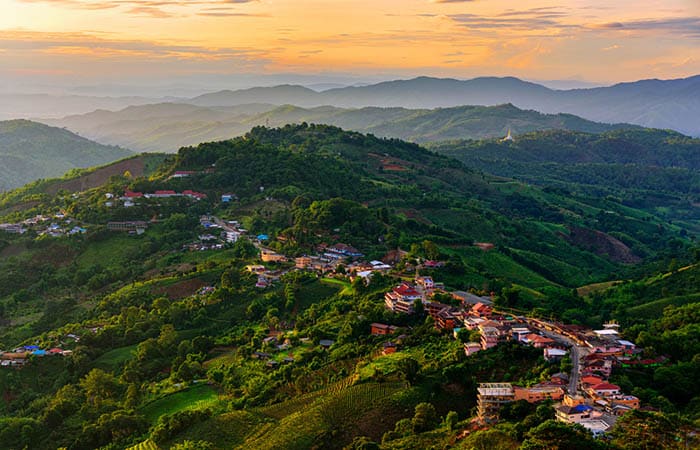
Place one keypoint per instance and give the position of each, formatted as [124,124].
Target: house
[12,228]
[138,227]
[227,198]
[472,347]
[481,310]
[380,266]
[194,195]
[268,255]
[429,264]
[389,348]
[537,340]
[538,393]
[627,345]
[574,414]
[163,194]
[445,319]
[472,323]
[560,378]
[345,250]
[183,173]
[380,329]
[129,195]
[489,337]
[401,298]
[554,354]
[590,380]
[326,343]
[426,285]
[603,390]
[519,333]
[302,262]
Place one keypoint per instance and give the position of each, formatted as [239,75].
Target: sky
[100,42]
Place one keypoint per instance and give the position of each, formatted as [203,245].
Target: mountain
[31,150]
[168,337]
[652,103]
[16,106]
[167,126]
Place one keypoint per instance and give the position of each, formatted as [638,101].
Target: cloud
[154,8]
[688,27]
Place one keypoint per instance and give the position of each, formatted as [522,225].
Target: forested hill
[655,170]
[30,150]
[129,317]
[167,126]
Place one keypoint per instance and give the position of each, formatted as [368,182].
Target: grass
[198,396]
[111,360]
[655,309]
[595,287]
[113,251]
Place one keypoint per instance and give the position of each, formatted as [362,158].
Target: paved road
[576,353]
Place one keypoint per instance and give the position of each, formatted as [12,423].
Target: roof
[406,290]
[605,387]
[166,192]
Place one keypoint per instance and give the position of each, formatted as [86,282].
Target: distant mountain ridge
[31,150]
[167,127]
[670,104]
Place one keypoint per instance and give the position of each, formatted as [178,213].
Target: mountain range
[30,150]
[168,126]
[670,104]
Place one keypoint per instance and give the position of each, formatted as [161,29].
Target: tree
[640,430]
[425,418]
[451,420]
[553,435]
[409,368]
[99,386]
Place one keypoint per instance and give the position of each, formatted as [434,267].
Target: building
[345,250]
[554,354]
[603,390]
[472,347]
[481,310]
[538,393]
[302,262]
[426,285]
[401,298]
[183,174]
[489,337]
[268,255]
[137,227]
[14,228]
[490,398]
[380,329]
[389,348]
[574,414]
[227,198]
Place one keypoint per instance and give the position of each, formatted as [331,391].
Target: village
[583,396]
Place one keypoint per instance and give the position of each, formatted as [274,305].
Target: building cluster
[18,357]
[57,225]
[130,198]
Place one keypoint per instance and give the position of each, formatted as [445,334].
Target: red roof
[406,290]
[605,387]
[166,192]
[130,194]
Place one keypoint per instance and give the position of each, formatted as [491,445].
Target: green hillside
[651,170]
[169,340]
[30,150]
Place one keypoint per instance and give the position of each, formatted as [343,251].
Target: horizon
[185,48]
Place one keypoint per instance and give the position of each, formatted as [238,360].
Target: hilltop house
[380,329]
[401,298]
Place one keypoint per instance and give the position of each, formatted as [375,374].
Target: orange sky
[604,41]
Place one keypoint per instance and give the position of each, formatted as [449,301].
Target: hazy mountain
[25,106]
[30,150]
[166,127]
[654,103]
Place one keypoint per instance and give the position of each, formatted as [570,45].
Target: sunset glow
[592,40]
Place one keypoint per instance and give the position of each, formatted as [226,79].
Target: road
[576,352]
